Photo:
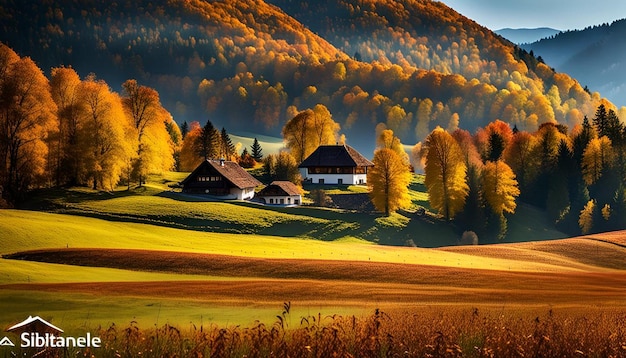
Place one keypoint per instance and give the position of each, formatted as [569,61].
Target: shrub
[469,238]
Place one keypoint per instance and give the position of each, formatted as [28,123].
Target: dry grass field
[158,291]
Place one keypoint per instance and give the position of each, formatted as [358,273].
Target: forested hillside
[593,56]
[412,65]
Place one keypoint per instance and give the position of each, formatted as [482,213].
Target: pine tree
[184,129]
[257,151]
[600,120]
[208,144]
[227,148]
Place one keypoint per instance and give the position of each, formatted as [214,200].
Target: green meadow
[325,260]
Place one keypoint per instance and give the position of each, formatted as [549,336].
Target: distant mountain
[595,56]
[250,65]
[526,36]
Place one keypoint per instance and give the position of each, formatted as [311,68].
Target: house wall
[348,179]
[242,194]
[287,200]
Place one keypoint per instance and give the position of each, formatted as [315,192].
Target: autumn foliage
[68,130]
[412,65]
[445,173]
[577,176]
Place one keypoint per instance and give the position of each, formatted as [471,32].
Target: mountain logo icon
[6,342]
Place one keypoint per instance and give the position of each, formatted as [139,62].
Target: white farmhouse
[335,164]
[280,193]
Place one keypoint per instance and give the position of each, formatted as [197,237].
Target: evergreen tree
[257,151]
[227,148]
[600,120]
[208,144]
[614,129]
[184,129]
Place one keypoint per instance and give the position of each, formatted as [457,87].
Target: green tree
[208,143]
[283,166]
[257,151]
[184,129]
[227,148]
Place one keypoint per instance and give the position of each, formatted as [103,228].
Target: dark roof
[282,187]
[335,156]
[231,171]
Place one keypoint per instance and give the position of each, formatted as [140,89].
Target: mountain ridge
[251,65]
[522,36]
[590,55]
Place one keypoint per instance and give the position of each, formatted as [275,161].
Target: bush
[320,198]
[469,238]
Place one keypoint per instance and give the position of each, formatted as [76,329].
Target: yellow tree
[154,151]
[585,220]
[308,130]
[388,181]
[596,158]
[445,173]
[106,136]
[27,120]
[64,84]
[500,187]
[189,159]
[520,156]
[387,139]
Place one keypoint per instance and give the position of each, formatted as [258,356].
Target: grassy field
[88,261]
[136,260]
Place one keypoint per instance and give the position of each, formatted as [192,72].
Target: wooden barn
[221,179]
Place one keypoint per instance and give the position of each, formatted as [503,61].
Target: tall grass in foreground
[442,332]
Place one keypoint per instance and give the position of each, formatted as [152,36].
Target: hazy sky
[558,14]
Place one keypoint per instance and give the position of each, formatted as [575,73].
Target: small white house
[280,193]
[335,164]
[221,179]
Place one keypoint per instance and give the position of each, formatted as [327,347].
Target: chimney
[222,160]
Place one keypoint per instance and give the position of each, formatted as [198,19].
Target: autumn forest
[105,94]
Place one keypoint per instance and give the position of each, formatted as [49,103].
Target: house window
[321,181]
[282,201]
[340,181]
[271,201]
[296,201]
[288,200]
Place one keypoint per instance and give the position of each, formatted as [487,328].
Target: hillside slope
[592,56]
[249,66]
